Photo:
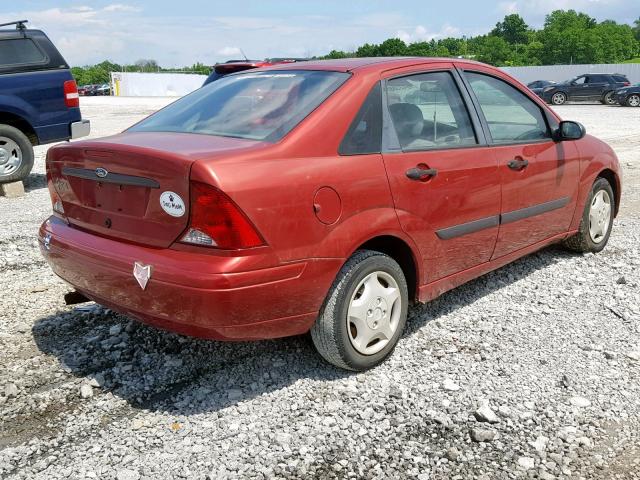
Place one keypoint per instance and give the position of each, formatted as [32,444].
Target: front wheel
[558,98]
[633,100]
[597,219]
[364,313]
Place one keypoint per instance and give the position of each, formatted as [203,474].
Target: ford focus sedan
[324,197]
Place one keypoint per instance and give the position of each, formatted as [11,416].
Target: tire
[585,240]
[355,289]
[633,100]
[16,154]
[558,98]
[609,99]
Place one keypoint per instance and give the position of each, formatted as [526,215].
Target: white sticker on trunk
[172,204]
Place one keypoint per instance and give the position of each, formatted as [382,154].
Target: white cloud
[119,7]
[229,51]
[422,34]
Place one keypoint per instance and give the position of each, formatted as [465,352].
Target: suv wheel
[16,154]
[597,219]
[558,98]
[364,313]
[609,99]
[633,100]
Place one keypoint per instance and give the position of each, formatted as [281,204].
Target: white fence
[129,84]
[559,73]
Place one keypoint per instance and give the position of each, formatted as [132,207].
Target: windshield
[253,105]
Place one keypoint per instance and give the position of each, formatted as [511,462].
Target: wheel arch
[398,249]
[613,179]
[16,121]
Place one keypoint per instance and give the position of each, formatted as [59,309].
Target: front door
[539,176]
[443,178]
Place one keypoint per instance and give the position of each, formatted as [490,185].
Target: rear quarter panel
[38,97]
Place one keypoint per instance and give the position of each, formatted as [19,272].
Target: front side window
[19,51]
[510,114]
[427,111]
[253,105]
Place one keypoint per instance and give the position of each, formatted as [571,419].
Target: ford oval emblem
[101,172]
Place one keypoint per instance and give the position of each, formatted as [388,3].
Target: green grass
[633,60]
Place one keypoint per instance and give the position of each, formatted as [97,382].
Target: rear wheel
[597,219]
[558,98]
[609,99]
[633,100]
[364,313]
[16,154]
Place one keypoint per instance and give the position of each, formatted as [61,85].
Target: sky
[182,32]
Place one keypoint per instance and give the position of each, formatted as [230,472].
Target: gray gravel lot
[532,371]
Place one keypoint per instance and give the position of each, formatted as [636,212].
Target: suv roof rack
[18,23]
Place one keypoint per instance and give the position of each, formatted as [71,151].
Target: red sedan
[323,196]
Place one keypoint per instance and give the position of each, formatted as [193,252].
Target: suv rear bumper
[80,129]
[186,294]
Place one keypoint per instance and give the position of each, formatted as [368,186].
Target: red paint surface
[277,289]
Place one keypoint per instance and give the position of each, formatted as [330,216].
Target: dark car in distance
[39,101]
[234,66]
[594,87]
[538,85]
[629,96]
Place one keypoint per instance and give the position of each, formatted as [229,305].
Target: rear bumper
[80,129]
[192,294]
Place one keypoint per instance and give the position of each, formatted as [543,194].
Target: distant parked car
[595,87]
[233,66]
[539,85]
[629,96]
[103,90]
[325,196]
[39,102]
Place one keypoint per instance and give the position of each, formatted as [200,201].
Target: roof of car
[351,64]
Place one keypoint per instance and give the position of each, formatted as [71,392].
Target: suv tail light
[71,97]
[215,221]
[626,84]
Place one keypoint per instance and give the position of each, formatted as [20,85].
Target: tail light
[215,221]
[626,84]
[71,97]
[56,201]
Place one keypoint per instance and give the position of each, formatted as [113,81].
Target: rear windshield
[253,105]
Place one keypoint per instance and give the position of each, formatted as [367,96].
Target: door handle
[421,174]
[517,164]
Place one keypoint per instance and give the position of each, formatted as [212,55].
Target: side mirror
[569,130]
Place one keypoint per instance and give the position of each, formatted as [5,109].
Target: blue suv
[39,100]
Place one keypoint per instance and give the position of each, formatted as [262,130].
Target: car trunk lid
[133,186]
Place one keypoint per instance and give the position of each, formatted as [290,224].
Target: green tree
[493,50]
[513,29]
[636,29]
[393,47]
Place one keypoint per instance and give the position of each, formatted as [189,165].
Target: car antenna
[245,57]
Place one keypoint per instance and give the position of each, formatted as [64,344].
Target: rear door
[443,178]
[595,86]
[539,177]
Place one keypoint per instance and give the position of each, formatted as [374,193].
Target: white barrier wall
[559,73]
[129,84]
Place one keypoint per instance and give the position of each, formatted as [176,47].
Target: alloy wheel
[599,216]
[633,101]
[609,99]
[374,313]
[10,157]
[558,98]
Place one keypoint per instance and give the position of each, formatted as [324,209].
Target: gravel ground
[532,371]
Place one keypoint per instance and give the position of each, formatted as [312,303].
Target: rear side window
[512,117]
[365,133]
[598,79]
[20,51]
[620,78]
[253,105]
